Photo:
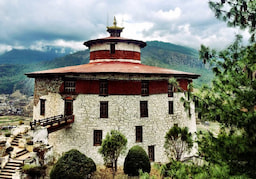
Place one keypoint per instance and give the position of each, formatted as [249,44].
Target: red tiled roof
[113,67]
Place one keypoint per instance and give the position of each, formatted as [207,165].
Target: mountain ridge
[27,56]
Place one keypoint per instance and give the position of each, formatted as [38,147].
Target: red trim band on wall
[119,54]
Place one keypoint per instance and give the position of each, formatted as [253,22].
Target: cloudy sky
[36,23]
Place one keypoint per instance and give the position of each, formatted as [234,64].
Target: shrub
[73,164]
[8,134]
[135,160]
[34,171]
[9,150]
[21,122]
[178,170]
[30,142]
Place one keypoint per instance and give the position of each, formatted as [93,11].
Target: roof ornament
[114,23]
[114,30]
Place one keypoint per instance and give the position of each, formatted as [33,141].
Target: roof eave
[38,75]
[91,42]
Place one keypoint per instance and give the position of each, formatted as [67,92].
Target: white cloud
[40,45]
[70,22]
[168,15]
[184,29]
[4,48]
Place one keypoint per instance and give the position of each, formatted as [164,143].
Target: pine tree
[231,99]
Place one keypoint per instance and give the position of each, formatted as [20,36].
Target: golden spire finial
[114,30]
[114,23]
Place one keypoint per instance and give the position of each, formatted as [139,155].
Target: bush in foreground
[135,160]
[73,164]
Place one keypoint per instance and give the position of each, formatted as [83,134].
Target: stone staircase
[21,153]
[14,164]
[15,141]
[10,168]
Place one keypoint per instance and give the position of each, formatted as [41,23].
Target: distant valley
[15,63]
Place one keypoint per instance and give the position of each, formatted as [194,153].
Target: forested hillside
[156,53]
[26,56]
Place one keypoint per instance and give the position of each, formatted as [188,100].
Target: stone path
[14,165]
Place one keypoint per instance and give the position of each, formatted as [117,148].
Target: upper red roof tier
[113,67]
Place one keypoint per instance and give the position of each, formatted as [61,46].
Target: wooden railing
[53,123]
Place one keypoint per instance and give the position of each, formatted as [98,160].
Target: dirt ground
[103,173]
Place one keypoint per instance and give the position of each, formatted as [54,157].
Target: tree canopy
[231,99]
[112,146]
[177,142]
[237,13]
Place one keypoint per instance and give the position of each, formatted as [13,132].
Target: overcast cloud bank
[68,23]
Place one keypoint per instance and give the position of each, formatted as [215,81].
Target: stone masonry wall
[45,85]
[124,115]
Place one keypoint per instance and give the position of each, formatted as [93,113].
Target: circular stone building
[113,91]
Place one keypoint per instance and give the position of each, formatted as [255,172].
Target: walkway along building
[113,91]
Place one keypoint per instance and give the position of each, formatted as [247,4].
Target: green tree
[177,142]
[136,159]
[73,164]
[231,99]
[112,146]
[237,13]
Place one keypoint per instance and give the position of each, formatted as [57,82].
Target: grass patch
[213,127]
[13,120]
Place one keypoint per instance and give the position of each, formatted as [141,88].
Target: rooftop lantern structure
[114,30]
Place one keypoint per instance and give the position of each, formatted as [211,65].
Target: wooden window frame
[170,90]
[67,111]
[103,88]
[70,86]
[144,88]
[138,134]
[151,153]
[171,107]
[103,109]
[97,137]
[42,107]
[143,108]
[112,48]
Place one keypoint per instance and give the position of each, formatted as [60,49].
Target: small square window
[171,111]
[138,133]
[104,109]
[97,137]
[70,86]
